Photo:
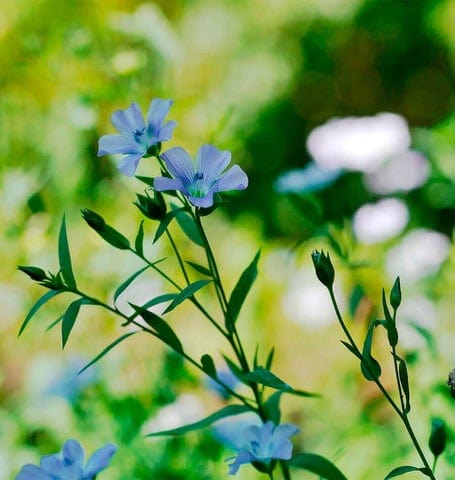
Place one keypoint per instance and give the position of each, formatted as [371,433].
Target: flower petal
[99,461]
[283,451]
[179,163]
[128,121]
[129,163]
[160,184]
[205,202]
[73,452]
[234,179]
[165,133]
[242,458]
[118,144]
[157,112]
[211,162]
[53,465]
[32,472]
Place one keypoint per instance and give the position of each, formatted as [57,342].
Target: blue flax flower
[264,443]
[69,464]
[137,138]
[200,180]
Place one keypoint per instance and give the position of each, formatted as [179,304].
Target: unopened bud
[451,382]
[153,208]
[93,219]
[395,294]
[35,273]
[438,437]
[324,268]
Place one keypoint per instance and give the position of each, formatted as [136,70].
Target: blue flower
[264,443]
[69,464]
[137,138]
[228,378]
[200,180]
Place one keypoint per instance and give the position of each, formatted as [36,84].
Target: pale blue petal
[205,202]
[234,179]
[283,451]
[99,461]
[283,431]
[180,165]
[242,458]
[211,162]
[128,121]
[118,144]
[73,452]
[129,163]
[162,184]
[32,472]
[165,133]
[52,465]
[158,110]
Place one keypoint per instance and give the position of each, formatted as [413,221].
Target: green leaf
[69,317]
[188,227]
[39,303]
[234,368]
[272,407]
[199,268]
[208,365]
[105,231]
[188,291]
[369,366]
[162,329]
[387,315]
[107,349]
[228,411]
[269,361]
[318,465]
[266,377]
[241,290]
[147,180]
[162,227]
[64,257]
[128,282]
[396,472]
[139,241]
[351,349]
[404,381]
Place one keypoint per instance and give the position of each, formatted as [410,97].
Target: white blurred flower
[373,223]
[359,143]
[402,173]
[306,302]
[185,410]
[419,254]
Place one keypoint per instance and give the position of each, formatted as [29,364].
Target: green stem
[285,470]
[401,413]
[177,254]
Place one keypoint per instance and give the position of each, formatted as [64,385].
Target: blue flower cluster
[197,180]
[69,464]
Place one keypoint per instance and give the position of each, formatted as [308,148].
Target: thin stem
[177,254]
[401,413]
[285,470]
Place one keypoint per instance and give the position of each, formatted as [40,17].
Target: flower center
[198,187]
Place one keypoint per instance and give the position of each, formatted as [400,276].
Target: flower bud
[395,294]
[324,268]
[438,437]
[451,382]
[35,273]
[153,208]
[93,219]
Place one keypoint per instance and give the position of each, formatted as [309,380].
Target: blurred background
[342,114]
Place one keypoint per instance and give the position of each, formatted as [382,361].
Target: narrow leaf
[106,350]
[64,257]
[369,366]
[147,180]
[208,365]
[139,241]
[266,377]
[39,303]
[318,465]
[128,282]
[234,368]
[199,268]
[189,228]
[396,472]
[404,381]
[69,317]
[185,293]
[162,227]
[272,407]
[241,290]
[228,411]
[161,327]
[351,349]
[269,361]
[54,323]
[387,315]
